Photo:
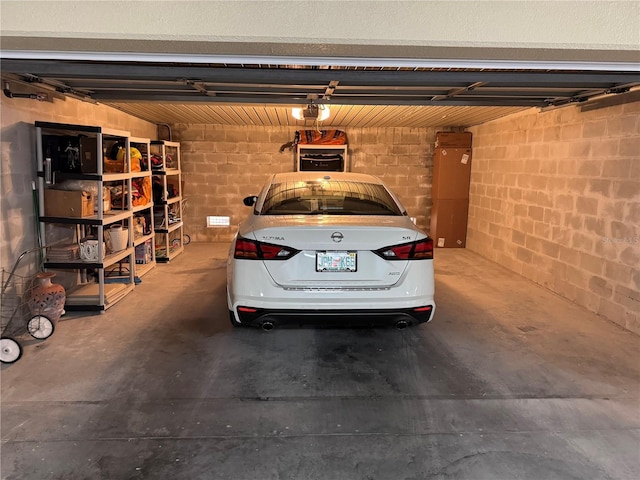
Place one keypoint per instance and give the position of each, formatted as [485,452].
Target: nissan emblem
[337,237]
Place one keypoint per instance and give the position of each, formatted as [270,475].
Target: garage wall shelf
[167,192]
[322,158]
[85,210]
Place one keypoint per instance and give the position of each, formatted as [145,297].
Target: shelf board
[105,177]
[172,254]
[144,268]
[140,208]
[87,295]
[66,127]
[112,177]
[116,217]
[117,256]
[72,220]
[142,140]
[141,240]
[168,202]
[107,218]
[171,228]
[329,148]
[80,265]
[142,174]
[167,171]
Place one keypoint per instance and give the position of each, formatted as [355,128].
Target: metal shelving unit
[167,180]
[79,153]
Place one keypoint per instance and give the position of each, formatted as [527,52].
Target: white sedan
[329,247]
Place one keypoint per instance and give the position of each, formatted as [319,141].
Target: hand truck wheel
[10,350]
[40,327]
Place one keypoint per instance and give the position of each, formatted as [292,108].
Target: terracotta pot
[47,298]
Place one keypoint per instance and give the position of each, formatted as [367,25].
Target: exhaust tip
[267,326]
[401,324]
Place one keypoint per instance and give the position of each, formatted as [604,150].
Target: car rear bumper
[254,298]
[271,318]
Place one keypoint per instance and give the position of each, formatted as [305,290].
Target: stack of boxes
[450,190]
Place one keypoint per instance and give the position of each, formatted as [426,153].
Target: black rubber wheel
[10,350]
[186,239]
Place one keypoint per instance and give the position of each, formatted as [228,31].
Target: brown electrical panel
[450,189]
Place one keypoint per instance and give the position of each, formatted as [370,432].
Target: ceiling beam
[459,79]
[279,100]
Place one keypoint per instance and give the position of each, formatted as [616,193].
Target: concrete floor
[508,382]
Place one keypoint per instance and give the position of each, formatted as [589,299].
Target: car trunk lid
[335,252]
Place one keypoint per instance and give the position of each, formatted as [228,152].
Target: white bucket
[119,237]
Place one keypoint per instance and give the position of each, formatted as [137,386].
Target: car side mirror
[250,201]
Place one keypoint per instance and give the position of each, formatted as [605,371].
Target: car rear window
[329,197]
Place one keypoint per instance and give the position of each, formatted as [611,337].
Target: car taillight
[253,250]
[428,308]
[419,250]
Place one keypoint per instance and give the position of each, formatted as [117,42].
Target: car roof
[310,176]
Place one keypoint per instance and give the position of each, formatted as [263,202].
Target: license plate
[336,261]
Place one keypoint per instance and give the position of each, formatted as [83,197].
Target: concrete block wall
[18,159]
[224,164]
[555,196]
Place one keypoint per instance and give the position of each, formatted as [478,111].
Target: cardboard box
[449,223]
[67,203]
[451,173]
[453,139]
